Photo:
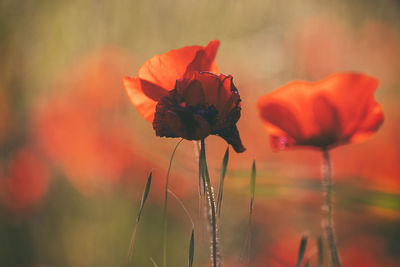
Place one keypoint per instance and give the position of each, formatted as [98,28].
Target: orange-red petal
[204,59]
[144,96]
[165,69]
[336,110]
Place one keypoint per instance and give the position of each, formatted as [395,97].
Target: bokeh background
[75,155]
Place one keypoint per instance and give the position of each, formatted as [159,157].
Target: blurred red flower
[158,75]
[201,104]
[83,129]
[26,180]
[337,110]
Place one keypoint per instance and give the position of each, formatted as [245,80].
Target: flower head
[181,96]
[337,110]
[157,76]
[201,104]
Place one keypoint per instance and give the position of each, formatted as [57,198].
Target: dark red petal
[215,92]
[232,137]
[172,120]
[193,94]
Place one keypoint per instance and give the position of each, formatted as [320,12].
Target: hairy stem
[211,202]
[327,208]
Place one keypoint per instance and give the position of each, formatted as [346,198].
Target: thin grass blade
[154,263]
[302,250]
[221,180]
[183,206]
[246,251]
[145,194]
[201,179]
[252,185]
[191,249]
[142,202]
[165,206]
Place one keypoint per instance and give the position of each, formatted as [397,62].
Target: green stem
[211,201]
[327,221]
[165,206]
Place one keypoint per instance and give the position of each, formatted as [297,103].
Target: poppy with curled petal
[337,110]
[157,76]
[201,104]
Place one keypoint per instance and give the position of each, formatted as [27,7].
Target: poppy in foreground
[337,110]
[179,93]
[182,96]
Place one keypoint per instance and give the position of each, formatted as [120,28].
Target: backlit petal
[165,69]
[143,95]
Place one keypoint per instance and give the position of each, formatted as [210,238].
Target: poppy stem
[165,206]
[212,210]
[327,208]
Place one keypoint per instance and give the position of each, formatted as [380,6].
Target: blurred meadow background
[75,154]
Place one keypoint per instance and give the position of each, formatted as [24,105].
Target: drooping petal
[232,137]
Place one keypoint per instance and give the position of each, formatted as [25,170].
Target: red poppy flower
[337,110]
[200,105]
[157,76]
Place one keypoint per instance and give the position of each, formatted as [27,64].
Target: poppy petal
[165,69]
[328,120]
[215,91]
[351,94]
[232,137]
[370,125]
[204,59]
[143,95]
[194,94]
[280,121]
[172,120]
